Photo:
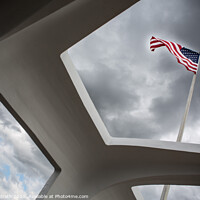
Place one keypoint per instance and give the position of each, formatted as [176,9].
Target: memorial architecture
[51,103]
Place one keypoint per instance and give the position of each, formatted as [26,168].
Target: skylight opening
[175,192]
[24,169]
[140,94]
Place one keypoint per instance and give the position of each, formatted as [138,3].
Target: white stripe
[156,43]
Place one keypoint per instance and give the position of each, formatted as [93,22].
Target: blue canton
[192,55]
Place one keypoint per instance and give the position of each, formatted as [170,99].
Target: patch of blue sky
[22,179]
[5,170]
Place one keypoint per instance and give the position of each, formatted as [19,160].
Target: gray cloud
[132,127]
[115,86]
[169,110]
[7,120]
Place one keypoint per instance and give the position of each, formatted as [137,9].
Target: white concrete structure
[53,106]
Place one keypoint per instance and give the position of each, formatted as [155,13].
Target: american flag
[185,56]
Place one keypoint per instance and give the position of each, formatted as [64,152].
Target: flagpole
[165,192]
[180,134]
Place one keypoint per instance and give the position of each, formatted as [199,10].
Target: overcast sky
[136,90]
[139,93]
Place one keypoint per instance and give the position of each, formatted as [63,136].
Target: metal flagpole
[165,192]
[180,134]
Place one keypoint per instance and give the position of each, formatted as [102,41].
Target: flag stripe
[175,49]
